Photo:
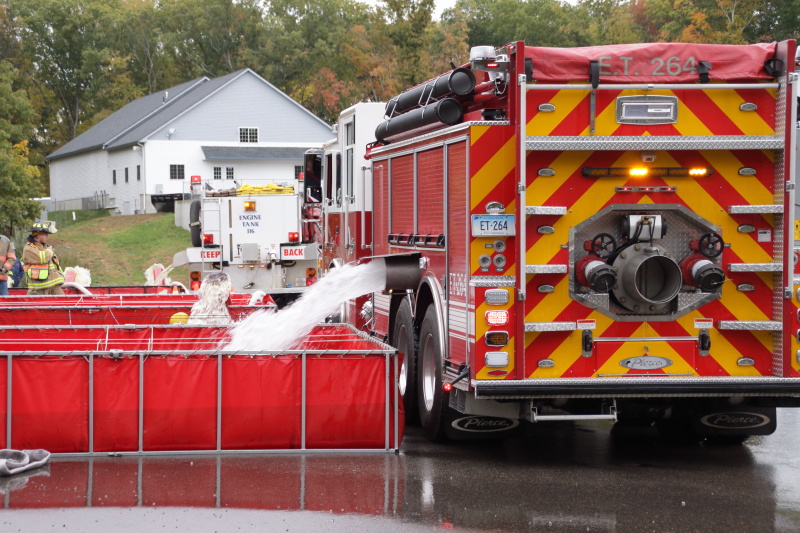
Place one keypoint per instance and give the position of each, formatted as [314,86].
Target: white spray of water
[266,330]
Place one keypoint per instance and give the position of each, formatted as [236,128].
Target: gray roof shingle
[253,152]
[127,118]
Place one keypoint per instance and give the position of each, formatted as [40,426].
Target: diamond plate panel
[684,226]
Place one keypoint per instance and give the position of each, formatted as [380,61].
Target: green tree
[68,43]
[408,22]
[606,22]
[139,39]
[211,37]
[775,20]
[18,178]
[448,41]
[537,22]
[311,53]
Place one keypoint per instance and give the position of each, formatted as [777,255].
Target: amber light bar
[644,172]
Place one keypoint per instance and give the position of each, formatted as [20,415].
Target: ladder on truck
[211,217]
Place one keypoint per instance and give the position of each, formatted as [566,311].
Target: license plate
[493,226]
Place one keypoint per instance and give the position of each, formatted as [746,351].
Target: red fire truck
[606,233]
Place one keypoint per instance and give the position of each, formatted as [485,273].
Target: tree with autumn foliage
[80,60]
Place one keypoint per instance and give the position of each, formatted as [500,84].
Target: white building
[236,128]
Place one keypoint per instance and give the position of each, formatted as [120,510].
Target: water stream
[266,330]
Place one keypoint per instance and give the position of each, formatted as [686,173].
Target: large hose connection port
[648,280]
[646,262]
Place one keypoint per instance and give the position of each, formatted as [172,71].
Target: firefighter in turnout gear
[7,260]
[40,263]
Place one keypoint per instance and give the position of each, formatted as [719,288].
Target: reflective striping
[755,209]
[711,132]
[545,269]
[755,267]
[550,326]
[491,174]
[668,142]
[750,325]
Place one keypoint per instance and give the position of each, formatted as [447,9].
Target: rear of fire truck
[254,233]
[607,234]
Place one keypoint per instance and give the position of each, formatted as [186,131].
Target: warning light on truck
[496,317]
[656,172]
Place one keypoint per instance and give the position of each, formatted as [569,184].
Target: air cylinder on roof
[447,111]
[459,81]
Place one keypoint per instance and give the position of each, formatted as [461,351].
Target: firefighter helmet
[179,318]
[43,227]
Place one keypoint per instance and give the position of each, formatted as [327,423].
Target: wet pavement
[565,478]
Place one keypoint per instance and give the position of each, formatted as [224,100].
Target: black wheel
[603,245]
[679,431]
[194,223]
[710,245]
[404,339]
[726,440]
[430,395]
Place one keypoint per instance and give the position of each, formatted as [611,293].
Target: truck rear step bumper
[636,387]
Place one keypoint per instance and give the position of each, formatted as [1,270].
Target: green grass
[117,250]
[65,219]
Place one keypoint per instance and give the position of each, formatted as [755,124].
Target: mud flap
[729,421]
[459,426]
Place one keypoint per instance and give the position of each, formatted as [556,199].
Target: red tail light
[496,317]
[208,238]
[294,236]
[195,285]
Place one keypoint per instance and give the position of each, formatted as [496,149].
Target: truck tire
[194,223]
[678,430]
[405,339]
[431,397]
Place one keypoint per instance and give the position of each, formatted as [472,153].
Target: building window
[248,135]
[114,177]
[229,173]
[126,174]
[217,173]
[176,172]
[138,172]
[297,171]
